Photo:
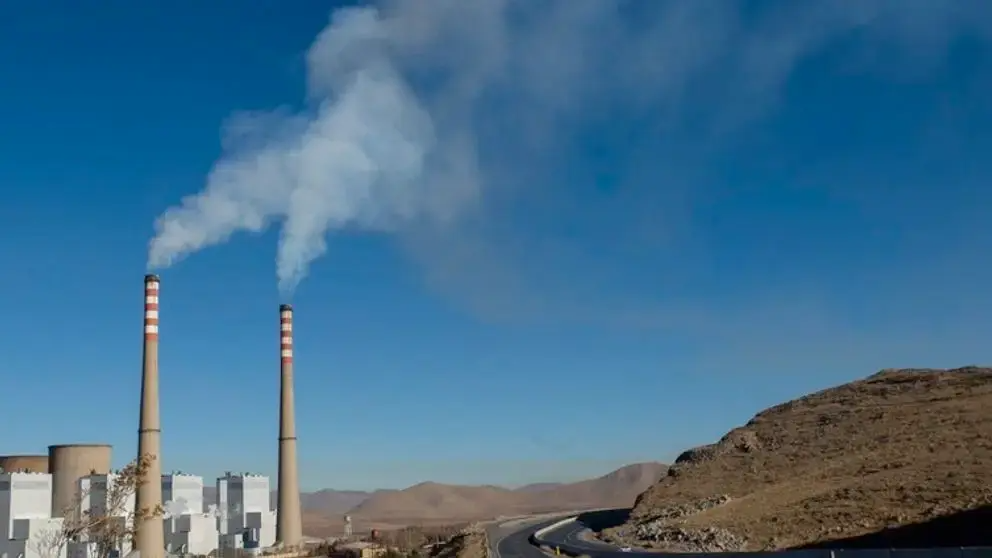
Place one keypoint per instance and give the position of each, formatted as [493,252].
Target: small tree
[109,524]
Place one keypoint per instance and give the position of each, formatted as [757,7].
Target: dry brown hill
[900,447]
[434,502]
[335,502]
[431,501]
[614,490]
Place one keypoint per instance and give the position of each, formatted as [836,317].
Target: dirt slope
[614,490]
[900,447]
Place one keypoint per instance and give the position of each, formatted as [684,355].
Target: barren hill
[430,501]
[335,502]
[433,502]
[900,447]
[614,490]
[326,501]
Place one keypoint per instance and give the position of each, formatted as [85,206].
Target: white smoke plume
[421,113]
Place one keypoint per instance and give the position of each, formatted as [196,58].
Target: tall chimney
[289,525]
[149,537]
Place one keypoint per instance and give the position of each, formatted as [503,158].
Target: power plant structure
[70,462]
[24,463]
[289,522]
[149,537]
[75,479]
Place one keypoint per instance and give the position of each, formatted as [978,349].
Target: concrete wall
[23,496]
[185,489]
[68,464]
[24,463]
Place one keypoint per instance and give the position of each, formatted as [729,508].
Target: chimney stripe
[151,310]
[286,336]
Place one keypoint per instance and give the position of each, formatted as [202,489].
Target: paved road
[517,543]
[571,534]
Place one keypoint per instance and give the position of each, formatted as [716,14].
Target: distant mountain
[326,501]
[331,502]
[435,502]
[538,487]
[431,503]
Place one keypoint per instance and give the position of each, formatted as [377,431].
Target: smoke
[360,158]
[432,119]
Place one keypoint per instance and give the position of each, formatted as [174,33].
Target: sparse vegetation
[417,536]
[470,542]
[108,525]
[900,447]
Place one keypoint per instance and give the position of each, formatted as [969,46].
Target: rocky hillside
[900,447]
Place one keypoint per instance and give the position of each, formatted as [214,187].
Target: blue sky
[676,217]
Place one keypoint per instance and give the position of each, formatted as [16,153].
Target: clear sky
[615,234]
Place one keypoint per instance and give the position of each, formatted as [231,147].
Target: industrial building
[40,494]
[244,517]
[94,494]
[68,463]
[241,520]
[23,463]
[187,529]
[26,516]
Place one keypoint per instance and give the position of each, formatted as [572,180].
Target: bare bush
[109,524]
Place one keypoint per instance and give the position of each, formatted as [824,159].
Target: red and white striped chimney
[149,537]
[289,524]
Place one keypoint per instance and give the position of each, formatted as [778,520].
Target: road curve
[518,545]
[569,536]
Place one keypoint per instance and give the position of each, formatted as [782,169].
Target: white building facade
[98,498]
[244,511]
[188,530]
[26,517]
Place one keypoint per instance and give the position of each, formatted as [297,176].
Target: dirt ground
[470,543]
[901,447]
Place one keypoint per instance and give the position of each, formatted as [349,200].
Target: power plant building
[96,499]
[185,491]
[24,464]
[25,516]
[243,518]
[187,529]
[244,513]
[95,493]
[70,462]
[40,494]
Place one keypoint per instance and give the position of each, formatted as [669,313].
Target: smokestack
[289,525]
[149,536]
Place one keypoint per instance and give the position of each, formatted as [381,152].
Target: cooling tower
[27,463]
[149,535]
[68,463]
[289,525]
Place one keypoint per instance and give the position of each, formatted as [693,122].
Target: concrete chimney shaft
[149,536]
[289,524]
